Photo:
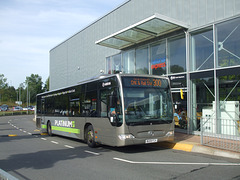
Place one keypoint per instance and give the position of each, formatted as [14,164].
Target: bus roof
[102,76]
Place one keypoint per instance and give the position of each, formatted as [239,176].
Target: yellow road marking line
[43,134]
[12,135]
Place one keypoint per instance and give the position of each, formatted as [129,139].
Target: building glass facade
[203,64]
[227,43]
[177,55]
[158,58]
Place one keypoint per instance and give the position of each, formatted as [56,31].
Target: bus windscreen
[147,101]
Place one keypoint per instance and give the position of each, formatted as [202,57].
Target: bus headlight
[170,133]
[126,136]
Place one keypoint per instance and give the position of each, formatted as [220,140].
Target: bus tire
[49,128]
[90,137]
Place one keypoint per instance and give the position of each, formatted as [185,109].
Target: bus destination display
[144,82]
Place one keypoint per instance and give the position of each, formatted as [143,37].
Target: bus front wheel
[49,128]
[91,137]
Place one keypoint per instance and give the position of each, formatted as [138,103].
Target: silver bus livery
[115,110]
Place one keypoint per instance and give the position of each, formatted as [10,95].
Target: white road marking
[69,146]
[54,142]
[30,133]
[43,139]
[24,131]
[90,152]
[20,129]
[177,163]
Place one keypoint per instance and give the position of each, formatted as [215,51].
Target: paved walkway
[192,143]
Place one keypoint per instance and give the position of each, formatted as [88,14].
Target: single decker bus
[116,110]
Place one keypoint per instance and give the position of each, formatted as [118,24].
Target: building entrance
[180,106]
[179,94]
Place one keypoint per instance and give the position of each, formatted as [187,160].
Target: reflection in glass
[177,55]
[117,64]
[142,61]
[109,65]
[128,62]
[202,90]
[148,105]
[202,50]
[228,43]
[158,58]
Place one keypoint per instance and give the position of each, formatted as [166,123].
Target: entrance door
[180,105]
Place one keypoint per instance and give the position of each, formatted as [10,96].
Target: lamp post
[27,97]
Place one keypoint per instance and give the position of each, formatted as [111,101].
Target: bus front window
[145,105]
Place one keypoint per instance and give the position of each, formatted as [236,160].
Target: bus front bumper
[129,139]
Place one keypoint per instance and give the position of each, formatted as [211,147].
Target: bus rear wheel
[49,128]
[90,137]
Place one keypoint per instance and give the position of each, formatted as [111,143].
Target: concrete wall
[81,51]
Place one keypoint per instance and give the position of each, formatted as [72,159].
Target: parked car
[4,107]
[29,108]
[32,108]
[18,108]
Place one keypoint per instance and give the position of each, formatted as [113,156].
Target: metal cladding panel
[58,66]
[236,7]
[220,9]
[79,58]
[210,14]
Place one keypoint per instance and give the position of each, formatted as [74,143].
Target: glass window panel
[117,63]
[109,65]
[157,26]
[202,50]
[228,105]
[228,42]
[158,58]
[177,55]
[128,62]
[132,35]
[202,99]
[115,43]
[142,61]
[229,88]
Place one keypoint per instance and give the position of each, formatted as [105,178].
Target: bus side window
[90,104]
[103,100]
[75,108]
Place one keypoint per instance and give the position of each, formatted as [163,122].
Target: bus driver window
[115,109]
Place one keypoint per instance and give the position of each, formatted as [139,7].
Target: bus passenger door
[107,127]
[40,112]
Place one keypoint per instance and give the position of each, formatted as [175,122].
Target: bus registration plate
[151,141]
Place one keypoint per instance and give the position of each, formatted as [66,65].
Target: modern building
[196,43]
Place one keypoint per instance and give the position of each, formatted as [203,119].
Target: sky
[29,29]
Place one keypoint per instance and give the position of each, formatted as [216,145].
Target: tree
[3,86]
[33,86]
[46,86]
[10,94]
[3,82]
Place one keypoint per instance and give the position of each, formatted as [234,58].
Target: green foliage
[46,86]
[32,86]
[3,82]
